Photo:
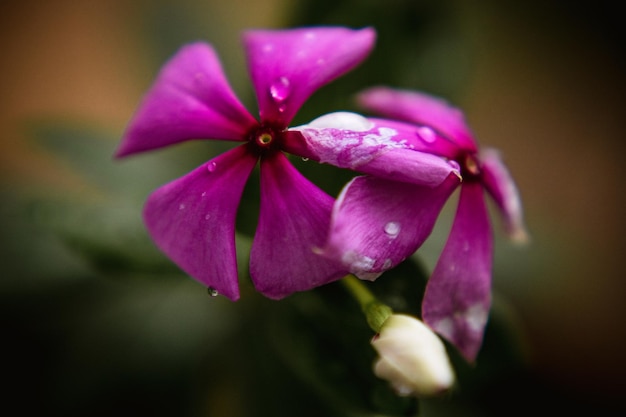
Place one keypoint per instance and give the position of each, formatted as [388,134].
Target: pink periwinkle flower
[458,294]
[192,219]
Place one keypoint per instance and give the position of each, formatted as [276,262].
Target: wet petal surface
[377,147]
[500,185]
[287,66]
[458,294]
[190,99]
[294,220]
[424,110]
[192,219]
[378,223]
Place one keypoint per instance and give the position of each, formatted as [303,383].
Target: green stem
[376,313]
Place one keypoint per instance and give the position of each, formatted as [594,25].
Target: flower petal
[372,146]
[190,99]
[293,221]
[287,66]
[458,295]
[192,219]
[424,110]
[377,223]
[500,185]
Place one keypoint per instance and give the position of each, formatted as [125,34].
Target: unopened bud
[412,358]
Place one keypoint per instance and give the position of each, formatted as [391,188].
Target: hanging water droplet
[426,134]
[280,89]
[212,292]
[212,166]
[304,159]
[392,229]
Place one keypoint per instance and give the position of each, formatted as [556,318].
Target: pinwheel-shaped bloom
[192,219]
[458,294]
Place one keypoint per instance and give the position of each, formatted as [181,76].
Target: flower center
[470,166]
[265,138]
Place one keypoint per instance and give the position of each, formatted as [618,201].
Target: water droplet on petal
[181,206]
[387,264]
[207,217]
[426,134]
[211,166]
[212,292]
[203,194]
[392,229]
[280,89]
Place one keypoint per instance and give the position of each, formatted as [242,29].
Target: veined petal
[190,99]
[377,223]
[422,109]
[372,146]
[293,221]
[192,219]
[287,66]
[500,185]
[458,295]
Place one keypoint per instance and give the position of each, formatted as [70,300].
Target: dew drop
[280,89]
[392,229]
[426,134]
[207,217]
[212,292]
[181,206]
[304,159]
[211,166]
[203,194]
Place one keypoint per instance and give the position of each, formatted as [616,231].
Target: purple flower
[458,294]
[192,219]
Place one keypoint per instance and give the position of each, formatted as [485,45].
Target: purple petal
[500,185]
[293,221]
[378,223]
[458,295]
[376,147]
[425,110]
[190,99]
[192,219]
[287,66]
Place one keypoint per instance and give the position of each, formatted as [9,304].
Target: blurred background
[97,322]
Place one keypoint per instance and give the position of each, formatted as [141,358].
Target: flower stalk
[376,312]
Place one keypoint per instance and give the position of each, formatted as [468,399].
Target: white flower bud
[412,358]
